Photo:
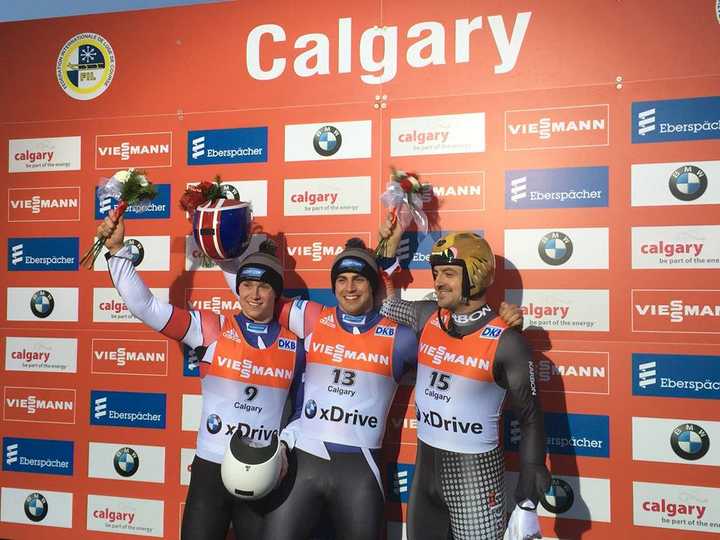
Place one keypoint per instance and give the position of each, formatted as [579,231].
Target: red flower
[191,199]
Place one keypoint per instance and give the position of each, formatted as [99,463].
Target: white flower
[122,176]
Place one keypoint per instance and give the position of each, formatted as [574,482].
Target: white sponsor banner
[148,252]
[586,310]
[413,295]
[44,155]
[186,458]
[42,304]
[672,506]
[194,260]
[108,305]
[675,184]
[676,440]
[41,354]
[121,461]
[327,196]
[121,515]
[556,249]
[191,412]
[432,135]
[58,505]
[328,140]
[588,498]
[692,246]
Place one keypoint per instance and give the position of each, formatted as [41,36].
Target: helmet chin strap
[450,329]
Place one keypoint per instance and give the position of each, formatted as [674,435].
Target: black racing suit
[459,495]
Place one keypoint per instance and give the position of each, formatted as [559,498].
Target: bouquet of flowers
[131,187]
[201,193]
[404,198]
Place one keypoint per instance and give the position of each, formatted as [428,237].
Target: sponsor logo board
[130,356]
[31,506]
[690,311]
[148,253]
[675,184]
[122,515]
[328,140]
[453,192]
[676,375]
[434,135]
[138,150]
[127,409]
[568,434]
[43,254]
[327,196]
[44,155]
[695,246]
[191,412]
[58,355]
[676,120]
[313,251]
[108,305]
[37,456]
[186,458]
[556,249]
[40,204]
[577,126]
[570,187]
[41,405]
[573,372]
[237,145]
[673,506]
[563,309]
[676,440]
[157,208]
[126,461]
[46,304]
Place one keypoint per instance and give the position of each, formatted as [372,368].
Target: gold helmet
[473,254]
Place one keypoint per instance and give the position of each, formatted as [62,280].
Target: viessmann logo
[558,127]
[43,204]
[305,251]
[43,405]
[573,372]
[454,192]
[216,300]
[672,310]
[145,150]
[131,357]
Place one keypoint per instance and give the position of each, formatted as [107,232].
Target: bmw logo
[310,409]
[42,304]
[214,424]
[327,140]
[555,248]
[688,183]
[137,252]
[229,192]
[126,462]
[36,507]
[559,497]
[690,441]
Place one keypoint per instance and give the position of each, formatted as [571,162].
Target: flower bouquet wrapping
[404,199]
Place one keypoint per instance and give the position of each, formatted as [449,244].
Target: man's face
[353,293]
[257,300]
[448,280]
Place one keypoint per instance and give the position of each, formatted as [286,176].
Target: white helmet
[248,471]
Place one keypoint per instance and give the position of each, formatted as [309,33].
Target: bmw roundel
[137,251]
[42,304]
[327,140]
[688,183]
[559,497]
[36,507]
[126,462]
[690,441]
[555,248]
[229,192]
[213,423]
[310,409]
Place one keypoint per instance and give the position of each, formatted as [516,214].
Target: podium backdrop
[581,138]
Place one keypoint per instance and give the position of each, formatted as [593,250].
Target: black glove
[533,482]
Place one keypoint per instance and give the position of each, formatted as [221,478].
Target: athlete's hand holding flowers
[130,187]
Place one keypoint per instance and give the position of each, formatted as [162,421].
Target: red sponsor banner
[401,426]
[215,300]
[130,357]
[316,251]
[691,311]
[125,150]
[45,405]
[573,372]
[557,127]
[453,191]
[44,204]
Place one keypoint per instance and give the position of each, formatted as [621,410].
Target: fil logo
[198,147]
[400,482]
[11,455]
[101,407]
[518,189]
[646,121]
[17,253]
[647,374]
[515,432]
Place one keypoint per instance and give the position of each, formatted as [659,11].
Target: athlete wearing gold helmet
[469,362]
